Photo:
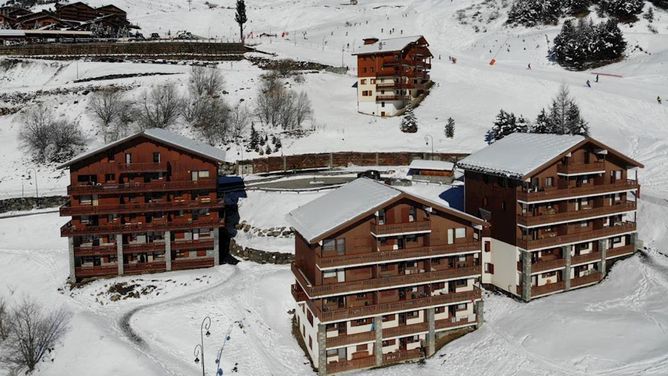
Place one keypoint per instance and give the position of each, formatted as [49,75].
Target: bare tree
[239,121]
[213,120]
[4,330]
[205,81]
[32,333]
[303,110]
[160,107]
[47,139]
[111,110]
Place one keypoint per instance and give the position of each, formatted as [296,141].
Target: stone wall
[29,203]
[259,256]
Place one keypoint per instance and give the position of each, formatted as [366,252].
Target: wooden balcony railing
[376,309]
[405,330]
[391,97]
[95,250]
[298,293]
[95,271]
[401,356]
[377,283]
[557,193]
[546,289]
[348,365]
[348,339]
[154,186]
[585,258]
[619,251]
[192,244]
[529,220]
[581,168]
[577,237]
[143,247]
[142,167]
[192,263]
[397,254]
[452,322]
[400,228]
[591,278]
[69,230]
[145,267]
[140,207]
[547,265]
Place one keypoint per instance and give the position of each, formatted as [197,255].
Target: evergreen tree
[542,124]
[622,9]
[564,117]
[576,7]
[649,16]
[240,18]
[450,128]
[268,150]
[534,12]
[587,44]
[254,138]
[506,124]
[409,121]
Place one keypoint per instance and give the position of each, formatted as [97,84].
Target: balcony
[620,251]
[405,330]
[397,254]
[586,258]
[401,356]
[377,309]
[543,265]
[561,193]
[145,267]
[192,263]
[95,271]
[546,289]
[400,228]
[556,240]
[143,247]
[452,323]
[349,365]
[142,167]
[68,210]
[298,294]
[591,278]
[95,250]
[378,283]
[381,98]
[154,186]
[543,219]
[349,339]
[180,245]
[69,230]
[581,168]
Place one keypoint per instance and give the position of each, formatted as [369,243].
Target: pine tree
[450,128]
[254,138]
[622,9]
[587,44]
[409,121]
[505,124]
[576,7]
[534,12]
[268,150]
[564,117]
[542,124]
[649,16]
[240,18]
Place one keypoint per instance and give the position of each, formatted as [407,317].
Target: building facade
[560,213]
[391,73]
[146,203]
[382,276]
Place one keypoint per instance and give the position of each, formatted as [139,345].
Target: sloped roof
[425,164]
[161,136]
[519,154]
[354,200]
[387,45]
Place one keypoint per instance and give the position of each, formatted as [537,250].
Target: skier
[588,83]
[529,66]
[597,78]
[658,99]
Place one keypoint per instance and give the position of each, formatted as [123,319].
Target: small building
[391,74]
[77,11]
[562,209]
[382,276]
[145,203]
[40,20]
[431,171]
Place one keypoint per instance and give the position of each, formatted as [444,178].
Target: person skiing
[588,83]
[658,99]
[597,78]
[529,66]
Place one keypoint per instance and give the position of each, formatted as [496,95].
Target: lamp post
[426,140]
[199,348]
[34,172]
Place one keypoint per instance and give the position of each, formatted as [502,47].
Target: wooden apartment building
[145,203]
[391,73]
[562,208]
[382,276]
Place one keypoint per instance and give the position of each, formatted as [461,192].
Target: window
[361,295]
[111,156]
[309,317]
[156,157]
[329,274]
[362,347]
[328,244]
[387,318]
[332,353]
[310,342]
[460,232]
[382,104]
[128,158]
[461,307]
[109,177]
[412,314]
[363,81]
[372,81]
[384,267]
[381,216]
[488,246]
[389,342]
[584,224]
[617,240]
[549,181]
[489,268]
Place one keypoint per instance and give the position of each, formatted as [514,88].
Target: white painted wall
[358,329]
[416,320]
[311,330]
[504,256]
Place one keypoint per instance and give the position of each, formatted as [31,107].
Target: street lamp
[199,349]
[426,140]
[35,172]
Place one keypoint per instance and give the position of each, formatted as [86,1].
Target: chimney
[370,40]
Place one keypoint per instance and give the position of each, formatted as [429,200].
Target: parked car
[184,35]
[371,174]
[155,36]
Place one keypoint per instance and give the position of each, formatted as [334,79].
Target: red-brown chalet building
[391,73]
[562,209]
[145,203]
[382,276]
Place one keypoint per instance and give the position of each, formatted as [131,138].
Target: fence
[338,159]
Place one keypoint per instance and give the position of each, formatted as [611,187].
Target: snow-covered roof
[354,200]
[519,154]
[339,206]
[387,45]
[425,164]
[162,136]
